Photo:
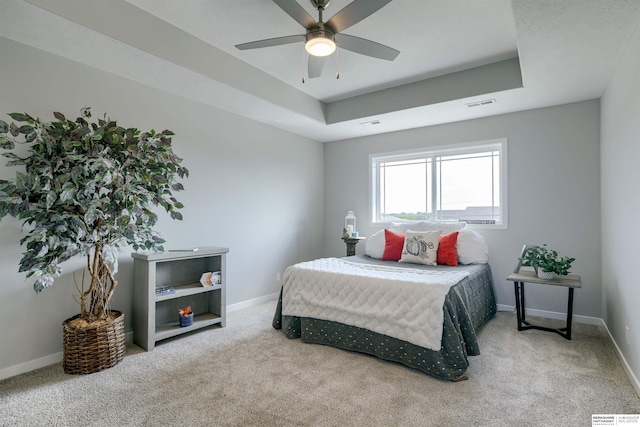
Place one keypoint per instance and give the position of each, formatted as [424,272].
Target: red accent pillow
[447,252]
[393,244]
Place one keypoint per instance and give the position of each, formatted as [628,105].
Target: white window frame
[446,150]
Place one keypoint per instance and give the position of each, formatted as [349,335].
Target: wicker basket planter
[94,347]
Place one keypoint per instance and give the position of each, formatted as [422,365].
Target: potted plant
[186,316]
[546,262]
[87,188]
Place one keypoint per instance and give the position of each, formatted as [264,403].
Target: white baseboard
[31,365]
[255,301]
[553,315]
[627,369]
[52,359]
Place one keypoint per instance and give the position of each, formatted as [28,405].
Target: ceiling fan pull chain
[337,63]
[303,55]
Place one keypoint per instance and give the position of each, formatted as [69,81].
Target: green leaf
[13,128]
[11,156]
[25,129]
[59,116]
[20,117]
[51,199]
[4,127]
[67,194]
[6,143]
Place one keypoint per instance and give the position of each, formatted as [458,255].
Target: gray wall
[553,191]
[620,185]
[253,188]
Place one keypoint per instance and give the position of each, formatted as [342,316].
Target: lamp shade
[320,43]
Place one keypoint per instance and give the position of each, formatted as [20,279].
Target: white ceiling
[522,53]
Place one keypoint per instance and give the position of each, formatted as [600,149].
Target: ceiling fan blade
[366,47]
[316,63]
[297,12]
[277,41]
[354,12]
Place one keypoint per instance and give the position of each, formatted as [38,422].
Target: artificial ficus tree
[87,188]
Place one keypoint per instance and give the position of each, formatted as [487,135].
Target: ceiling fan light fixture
[320,43]
[320,37]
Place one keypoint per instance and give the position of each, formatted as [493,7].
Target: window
[463,182]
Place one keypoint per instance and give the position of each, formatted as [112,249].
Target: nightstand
[351,244]
[570,281]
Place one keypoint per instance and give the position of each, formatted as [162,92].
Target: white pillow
[472,248]
[445,227]
[421,247]
[375,245]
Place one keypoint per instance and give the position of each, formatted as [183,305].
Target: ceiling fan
[322,38]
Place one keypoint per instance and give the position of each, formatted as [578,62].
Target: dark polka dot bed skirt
[468,306]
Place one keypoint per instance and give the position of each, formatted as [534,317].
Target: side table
[351,244]
[570,281]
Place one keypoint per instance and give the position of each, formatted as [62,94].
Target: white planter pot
[545,275]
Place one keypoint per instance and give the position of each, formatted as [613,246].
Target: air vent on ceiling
[483,102]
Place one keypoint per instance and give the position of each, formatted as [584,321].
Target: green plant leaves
[547,260]
[87,186]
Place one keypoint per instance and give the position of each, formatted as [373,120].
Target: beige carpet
[248,374]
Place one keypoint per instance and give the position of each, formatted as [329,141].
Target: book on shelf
[165,290]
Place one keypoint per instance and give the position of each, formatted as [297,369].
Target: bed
[467,305]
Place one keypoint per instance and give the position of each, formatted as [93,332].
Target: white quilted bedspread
[403,303]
